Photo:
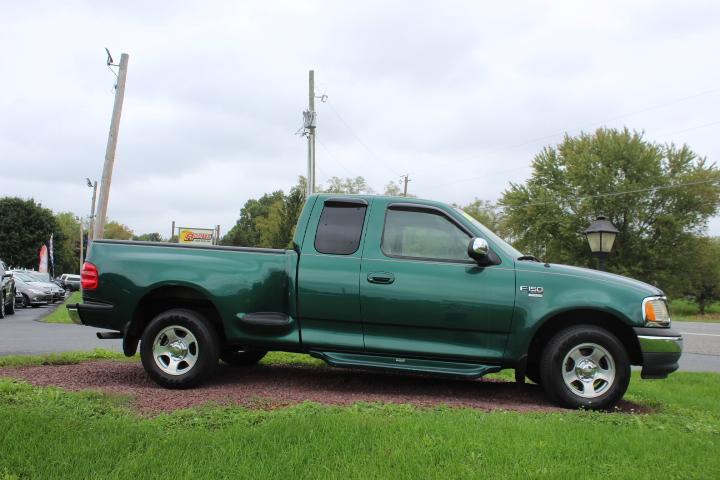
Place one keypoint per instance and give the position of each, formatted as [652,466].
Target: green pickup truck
[380,282]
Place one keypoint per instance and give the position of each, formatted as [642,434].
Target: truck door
[329,275]
[421,294]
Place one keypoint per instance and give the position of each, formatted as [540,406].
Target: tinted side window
[340,228]
[419,234]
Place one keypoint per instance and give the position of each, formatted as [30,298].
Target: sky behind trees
[460,95]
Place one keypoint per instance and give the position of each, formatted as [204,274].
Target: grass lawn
[50,433]
[60,315]
[682,310]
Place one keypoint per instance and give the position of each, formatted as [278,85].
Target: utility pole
[99,225]
[93,185]
[406,179]
[310,124]
[81,244]
[172,231]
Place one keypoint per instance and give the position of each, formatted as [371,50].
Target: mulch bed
[272,386]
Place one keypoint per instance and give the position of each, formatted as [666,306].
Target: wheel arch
[160,298]
[603,319]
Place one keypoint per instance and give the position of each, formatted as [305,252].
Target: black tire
[204,348]
[239,358]
[10,310]
[25,301]
[595,392]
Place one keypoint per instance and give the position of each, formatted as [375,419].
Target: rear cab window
[340,227]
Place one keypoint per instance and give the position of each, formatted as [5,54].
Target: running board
[437,367]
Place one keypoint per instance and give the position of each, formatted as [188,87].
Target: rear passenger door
[329,273]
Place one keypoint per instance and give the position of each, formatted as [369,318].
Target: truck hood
[594,275]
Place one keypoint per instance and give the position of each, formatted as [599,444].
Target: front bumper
[661,349]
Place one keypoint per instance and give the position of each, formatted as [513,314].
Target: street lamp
[601,235]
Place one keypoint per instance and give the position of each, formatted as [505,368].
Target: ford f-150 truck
[380,282]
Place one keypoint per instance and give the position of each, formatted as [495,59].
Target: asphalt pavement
[23,334]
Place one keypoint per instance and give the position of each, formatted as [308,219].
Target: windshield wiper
[528,257]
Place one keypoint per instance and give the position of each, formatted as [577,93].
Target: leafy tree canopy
[25,225]
[658,196]
[117,231]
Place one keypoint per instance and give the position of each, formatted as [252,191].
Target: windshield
[490,235]
[24,277]
[40,277]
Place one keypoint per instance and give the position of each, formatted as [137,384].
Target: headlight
[655,312]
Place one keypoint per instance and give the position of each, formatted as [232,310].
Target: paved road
[701,350]
[22,334]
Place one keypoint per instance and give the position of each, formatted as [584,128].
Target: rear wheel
[179,349]
[236,357]
[585,366]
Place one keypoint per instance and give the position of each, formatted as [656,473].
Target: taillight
[89,276]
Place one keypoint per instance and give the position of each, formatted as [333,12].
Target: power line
[360,140]
[615,194]
[333,157]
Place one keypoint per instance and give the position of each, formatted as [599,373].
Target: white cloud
[458,94]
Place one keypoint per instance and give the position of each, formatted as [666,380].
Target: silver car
[34,280]
[31,295]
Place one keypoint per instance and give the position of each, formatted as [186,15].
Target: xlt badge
[532,291]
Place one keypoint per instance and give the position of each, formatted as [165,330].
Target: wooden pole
[99,227]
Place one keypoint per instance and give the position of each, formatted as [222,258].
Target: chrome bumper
[661,349]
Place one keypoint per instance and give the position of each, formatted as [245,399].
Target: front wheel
[11,308]
[585,366]
[179,349]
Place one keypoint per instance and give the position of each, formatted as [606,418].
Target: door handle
[383,278]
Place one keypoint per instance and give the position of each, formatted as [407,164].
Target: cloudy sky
[459,94]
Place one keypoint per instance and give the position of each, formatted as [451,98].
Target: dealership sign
[196,235]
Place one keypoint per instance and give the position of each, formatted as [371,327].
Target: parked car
[381,282]
[35,279]
[32,295]
[58,291]
[70,282]
[7,291]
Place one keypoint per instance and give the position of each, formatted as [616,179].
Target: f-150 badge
[532,291]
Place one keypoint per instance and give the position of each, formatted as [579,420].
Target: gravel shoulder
[273,386]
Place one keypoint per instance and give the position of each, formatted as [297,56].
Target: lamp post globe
[601,236]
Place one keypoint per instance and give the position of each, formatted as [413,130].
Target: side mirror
[7,275]
[479,250]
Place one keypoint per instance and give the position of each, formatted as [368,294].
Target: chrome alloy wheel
[175,350]
[588,370]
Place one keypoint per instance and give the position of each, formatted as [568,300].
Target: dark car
[7,291]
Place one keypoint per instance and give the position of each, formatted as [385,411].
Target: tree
[25,226]
[487,214]
[245,232]
[351,186]
[117,231]
[658,196]
[393,188]
[67,244]
[149,237]
[704,272]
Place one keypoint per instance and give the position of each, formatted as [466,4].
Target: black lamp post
[601,235]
